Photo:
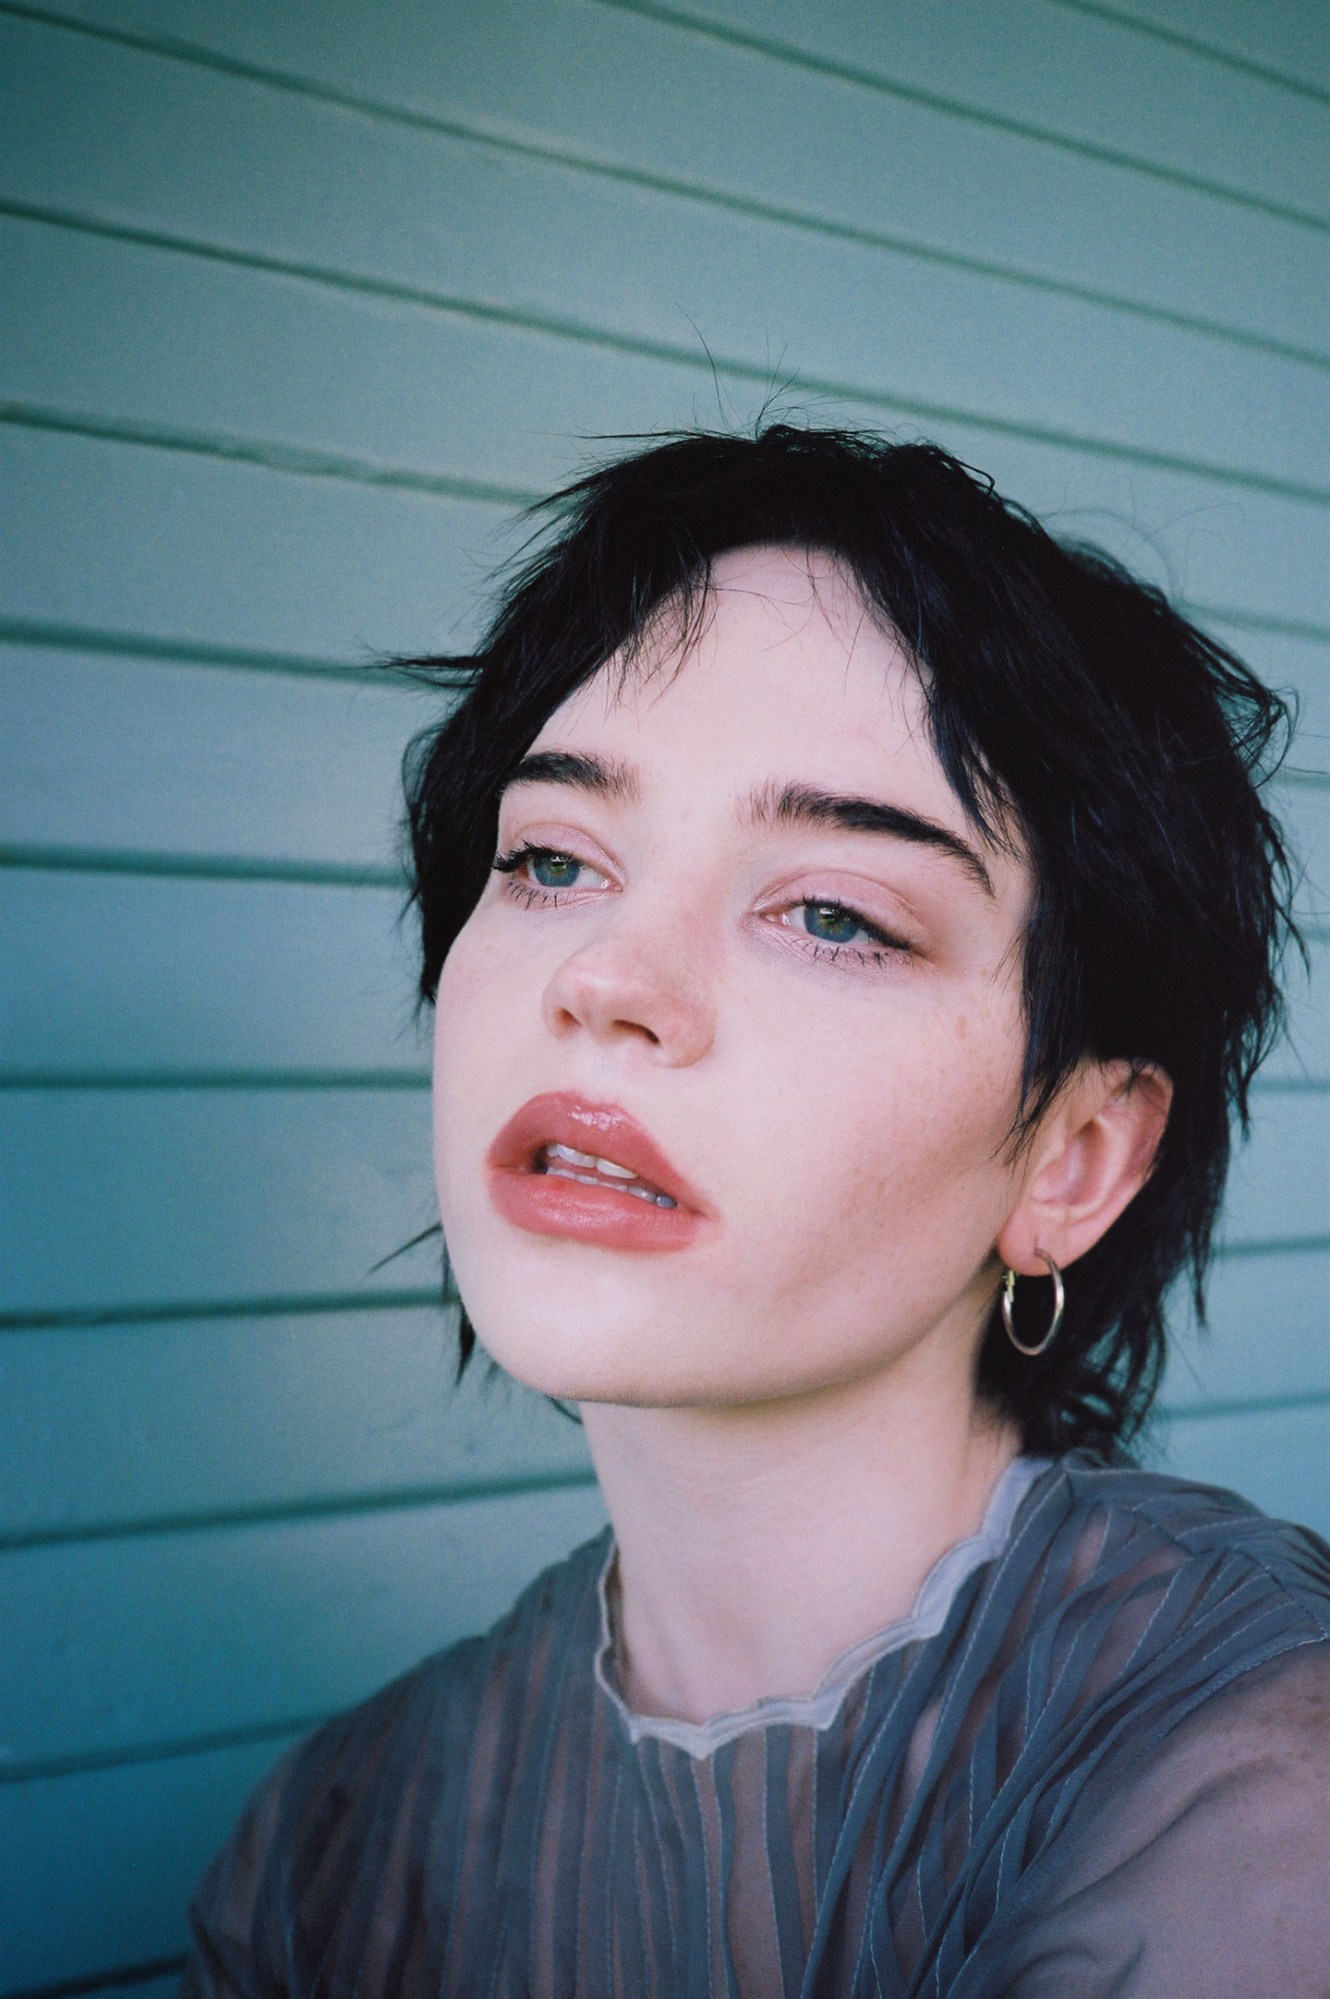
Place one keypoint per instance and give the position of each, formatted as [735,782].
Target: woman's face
[793,1018]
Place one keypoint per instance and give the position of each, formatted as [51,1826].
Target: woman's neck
[755,1545]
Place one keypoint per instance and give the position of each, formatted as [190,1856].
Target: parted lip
[561,1118]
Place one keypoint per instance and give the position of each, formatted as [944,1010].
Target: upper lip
[606,1130]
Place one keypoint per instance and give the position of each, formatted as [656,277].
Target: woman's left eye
[842,931]
[831,923]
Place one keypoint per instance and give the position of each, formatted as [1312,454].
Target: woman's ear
[1093,1152]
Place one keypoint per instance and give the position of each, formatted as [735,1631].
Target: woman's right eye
[553,870]
[539,873]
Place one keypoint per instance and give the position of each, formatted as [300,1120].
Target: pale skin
[782,1415]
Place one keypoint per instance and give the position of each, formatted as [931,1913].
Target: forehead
[785,671]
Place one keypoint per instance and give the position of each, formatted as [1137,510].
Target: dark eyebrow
[800,805]
[601,775]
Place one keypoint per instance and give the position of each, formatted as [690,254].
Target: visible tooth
[574,1158]
[616,1171]
[648,1194]
[596,1180]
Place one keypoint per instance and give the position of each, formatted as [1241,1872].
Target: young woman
[852,918]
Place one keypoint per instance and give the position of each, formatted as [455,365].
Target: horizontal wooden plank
[96,328]
[290,361]
[1265,1339]
[150,757]
[1303,1053]
[255,1626]
[1299,802]
[1290,41]
[164,1987]
[166,1198]
[1279,1190]
[520,235]
[113,1426]
[1046,68]
[198,1196]
[238,978]
[154,1978]
[196,549]
[1276,1458]
[224,976]
[572,80]
[96,1870]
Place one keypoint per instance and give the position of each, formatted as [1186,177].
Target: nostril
[622,997]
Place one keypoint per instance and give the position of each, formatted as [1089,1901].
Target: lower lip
[548,1204]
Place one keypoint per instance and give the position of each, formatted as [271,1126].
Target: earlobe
[1093,1157]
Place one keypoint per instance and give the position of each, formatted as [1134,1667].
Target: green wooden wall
[301,301]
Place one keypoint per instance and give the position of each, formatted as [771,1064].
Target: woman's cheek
[864,1130]
[467,1067]
[474,1010]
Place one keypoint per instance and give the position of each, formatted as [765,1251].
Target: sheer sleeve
[335,1875]
[1199,1871]
[237,1949]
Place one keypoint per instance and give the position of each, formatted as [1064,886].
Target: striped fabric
[1100,1766]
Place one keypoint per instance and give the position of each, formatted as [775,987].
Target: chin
[635,1366]
[575,1363]
[569,1321]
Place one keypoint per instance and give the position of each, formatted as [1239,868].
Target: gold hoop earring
[1059,1302]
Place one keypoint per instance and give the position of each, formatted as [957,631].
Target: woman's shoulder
[1128,1591]
[1172,1703]
[442,1696]
[1179,1525]
[400,1754]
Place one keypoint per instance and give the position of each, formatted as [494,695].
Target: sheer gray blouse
[1095,1760]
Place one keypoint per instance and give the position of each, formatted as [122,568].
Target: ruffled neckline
[818,1710]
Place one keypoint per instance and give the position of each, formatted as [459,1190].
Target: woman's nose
[628,988]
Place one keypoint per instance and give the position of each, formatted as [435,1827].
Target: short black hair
[1070,705]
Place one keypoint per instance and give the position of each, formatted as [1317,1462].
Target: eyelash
[884,951]
[532,895]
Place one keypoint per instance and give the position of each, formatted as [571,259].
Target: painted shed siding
[301,302]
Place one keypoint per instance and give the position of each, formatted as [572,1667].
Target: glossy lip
[548,1204]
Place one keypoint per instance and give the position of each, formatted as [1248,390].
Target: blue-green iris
[554,870]
[830,923]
